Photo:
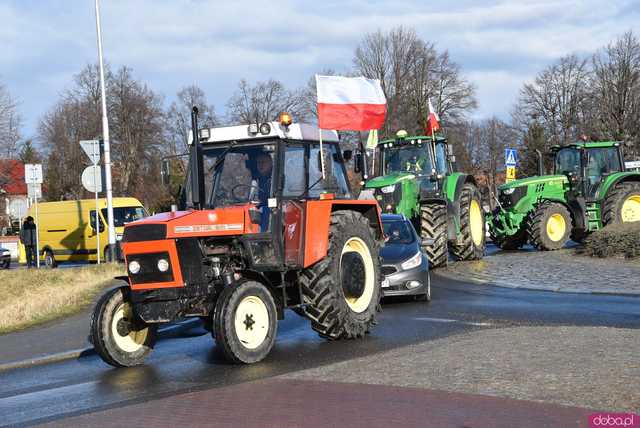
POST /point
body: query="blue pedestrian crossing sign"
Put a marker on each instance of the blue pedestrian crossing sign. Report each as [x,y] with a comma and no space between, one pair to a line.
[510,157]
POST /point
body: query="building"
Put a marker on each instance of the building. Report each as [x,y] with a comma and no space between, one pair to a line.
[13,194]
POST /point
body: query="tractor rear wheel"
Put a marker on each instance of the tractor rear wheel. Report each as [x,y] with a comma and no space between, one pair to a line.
[472,225]
[245,322]
[549,226]
[342,292]
[433,231]
[118,336]
[622,204]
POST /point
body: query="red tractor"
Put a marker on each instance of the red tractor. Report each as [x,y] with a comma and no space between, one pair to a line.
[269,223]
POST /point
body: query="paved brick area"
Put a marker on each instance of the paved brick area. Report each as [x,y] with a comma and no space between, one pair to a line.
[563,270]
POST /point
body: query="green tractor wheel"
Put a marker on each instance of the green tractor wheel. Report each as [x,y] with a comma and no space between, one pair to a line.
[472,225]
[622,204]
[549,226]
[433,229]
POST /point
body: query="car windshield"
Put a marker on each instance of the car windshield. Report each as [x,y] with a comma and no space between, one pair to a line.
[124,215]
[567,161]
[408,158]
[398,232]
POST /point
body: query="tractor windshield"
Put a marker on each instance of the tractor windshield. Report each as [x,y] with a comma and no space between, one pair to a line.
[244,175]
[567,161]
[408,158]
[441,158]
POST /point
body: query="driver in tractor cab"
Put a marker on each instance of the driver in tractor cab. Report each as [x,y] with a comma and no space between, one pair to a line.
[414,164]
[261,187]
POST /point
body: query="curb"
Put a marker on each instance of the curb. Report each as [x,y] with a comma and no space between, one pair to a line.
[77,353]
[504,284]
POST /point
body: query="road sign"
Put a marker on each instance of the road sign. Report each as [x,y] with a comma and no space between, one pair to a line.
[511,173]
[92,178]
[32,173]
[92,149]
[18,208]
[510,157]
[632,165]
[34,190]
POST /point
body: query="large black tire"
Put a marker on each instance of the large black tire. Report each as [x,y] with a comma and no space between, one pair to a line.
[342,292]
[549,226]
[433,227]
[49,260]
[118,336]
[6,264]
[472,225]
[245,322]
[626,192]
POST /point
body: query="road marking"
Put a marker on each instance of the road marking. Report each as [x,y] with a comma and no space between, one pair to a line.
[447,320]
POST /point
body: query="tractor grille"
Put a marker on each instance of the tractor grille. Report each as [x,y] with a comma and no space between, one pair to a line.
[144,232]
[386,200]
[190,257]
[149,272]
[510,200]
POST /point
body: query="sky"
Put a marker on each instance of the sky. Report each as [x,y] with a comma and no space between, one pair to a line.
[500,45]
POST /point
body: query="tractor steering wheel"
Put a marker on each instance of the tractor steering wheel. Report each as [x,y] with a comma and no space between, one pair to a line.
[250,186]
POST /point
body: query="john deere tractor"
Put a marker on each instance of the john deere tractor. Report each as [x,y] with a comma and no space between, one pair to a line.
[589,189]
[415,177]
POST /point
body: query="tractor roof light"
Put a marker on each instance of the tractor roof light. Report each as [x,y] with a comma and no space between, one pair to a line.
[285,119]
[252,129]
[205,134]
[265,129]
[401,134]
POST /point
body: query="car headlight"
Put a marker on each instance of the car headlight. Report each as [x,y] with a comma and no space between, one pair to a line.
[508,191]
[412,262]
[163,265]
[134,267]
[388,189]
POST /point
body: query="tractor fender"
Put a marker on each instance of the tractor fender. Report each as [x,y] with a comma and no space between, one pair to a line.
[616,179]
[317,218]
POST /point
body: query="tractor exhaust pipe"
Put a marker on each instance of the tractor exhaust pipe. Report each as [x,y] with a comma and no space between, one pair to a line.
[540,163]
[196,164]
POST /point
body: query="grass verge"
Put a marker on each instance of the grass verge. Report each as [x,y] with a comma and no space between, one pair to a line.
[615,240]
[30,296]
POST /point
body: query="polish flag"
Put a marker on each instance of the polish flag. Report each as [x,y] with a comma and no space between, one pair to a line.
[350,103]
[433,121]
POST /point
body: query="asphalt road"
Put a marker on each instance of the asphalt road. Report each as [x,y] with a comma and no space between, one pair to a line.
[188,360]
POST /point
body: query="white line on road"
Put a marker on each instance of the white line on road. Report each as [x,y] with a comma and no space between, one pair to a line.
[447,320]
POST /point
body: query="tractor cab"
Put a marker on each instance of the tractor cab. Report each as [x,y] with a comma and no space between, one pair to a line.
[587,165]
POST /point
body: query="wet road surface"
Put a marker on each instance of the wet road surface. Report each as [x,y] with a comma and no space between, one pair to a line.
[188,360]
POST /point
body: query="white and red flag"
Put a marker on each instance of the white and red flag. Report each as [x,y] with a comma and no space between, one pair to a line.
[433,121]
[350,103]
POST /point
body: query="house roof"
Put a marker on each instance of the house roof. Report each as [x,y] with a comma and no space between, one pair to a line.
[12,177]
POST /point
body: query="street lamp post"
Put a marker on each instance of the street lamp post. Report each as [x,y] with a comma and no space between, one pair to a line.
[107,151]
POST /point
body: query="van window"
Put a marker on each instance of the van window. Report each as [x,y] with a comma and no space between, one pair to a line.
[124,215]
[92,219]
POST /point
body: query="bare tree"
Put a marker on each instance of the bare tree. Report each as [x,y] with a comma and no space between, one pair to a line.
[10,123]
[264,101]
[616,89]
[557,99]
[178,117]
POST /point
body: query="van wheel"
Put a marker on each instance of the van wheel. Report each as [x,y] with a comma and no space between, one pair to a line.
[50,260]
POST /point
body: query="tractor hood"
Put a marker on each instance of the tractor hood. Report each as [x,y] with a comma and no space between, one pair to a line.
[532,181]
[234,220]
[387,180]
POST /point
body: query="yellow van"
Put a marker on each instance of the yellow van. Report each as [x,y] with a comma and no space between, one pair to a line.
[67,229]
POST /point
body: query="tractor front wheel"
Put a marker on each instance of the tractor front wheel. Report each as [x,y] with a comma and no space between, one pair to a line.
[118,336]
[472,225]
[245,322]
[549,226]
[342,292]
[433,231]
[622,204]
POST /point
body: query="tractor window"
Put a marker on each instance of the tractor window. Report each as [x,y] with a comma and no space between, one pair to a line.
[567,161]
[441,158]
[294,176]
[335,181]
[408,158]
[601,161]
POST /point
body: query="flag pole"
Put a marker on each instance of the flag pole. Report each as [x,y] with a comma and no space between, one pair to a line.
[321,154]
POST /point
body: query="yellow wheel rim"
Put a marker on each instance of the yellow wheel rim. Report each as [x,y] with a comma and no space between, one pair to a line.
[476,222]
[630,209]
[357,245]
[556,227]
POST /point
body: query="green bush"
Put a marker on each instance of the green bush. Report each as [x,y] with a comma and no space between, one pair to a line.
[615,240]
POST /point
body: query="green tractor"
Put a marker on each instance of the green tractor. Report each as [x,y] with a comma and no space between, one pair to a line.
[415,177]
[589,190]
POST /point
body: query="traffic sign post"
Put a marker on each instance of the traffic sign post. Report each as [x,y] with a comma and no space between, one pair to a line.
[92,181]
[33,178]
[510,161]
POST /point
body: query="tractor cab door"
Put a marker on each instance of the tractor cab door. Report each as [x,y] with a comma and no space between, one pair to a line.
[599,162]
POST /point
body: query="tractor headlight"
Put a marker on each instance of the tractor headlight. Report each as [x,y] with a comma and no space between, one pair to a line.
[163,265]
[412,262]
[508,191]
[388,189]
[134,267]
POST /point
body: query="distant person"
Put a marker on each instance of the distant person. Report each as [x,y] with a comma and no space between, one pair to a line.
[28,239]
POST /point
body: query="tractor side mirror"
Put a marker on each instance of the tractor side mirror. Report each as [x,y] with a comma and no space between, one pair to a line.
[165,172]
[358,165]
[450,151]
[347,155]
